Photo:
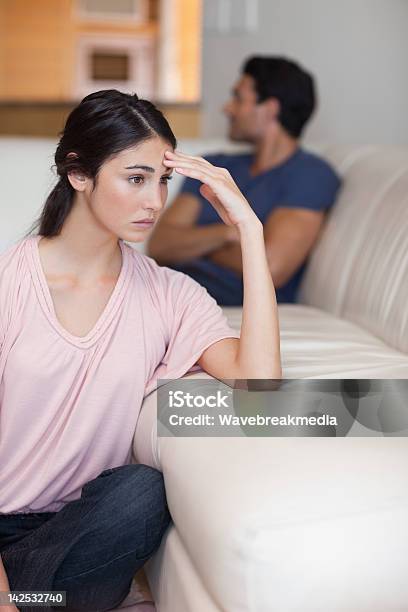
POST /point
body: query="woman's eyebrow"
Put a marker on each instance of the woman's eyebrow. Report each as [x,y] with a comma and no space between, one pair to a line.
[146,168]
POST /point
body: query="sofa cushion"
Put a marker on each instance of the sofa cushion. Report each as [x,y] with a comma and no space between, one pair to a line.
[317,344]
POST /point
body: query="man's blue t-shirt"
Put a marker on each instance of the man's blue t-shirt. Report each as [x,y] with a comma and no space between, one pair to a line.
[303,181]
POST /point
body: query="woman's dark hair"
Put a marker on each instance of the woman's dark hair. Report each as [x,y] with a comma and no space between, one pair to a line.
[283,79]
[103,124]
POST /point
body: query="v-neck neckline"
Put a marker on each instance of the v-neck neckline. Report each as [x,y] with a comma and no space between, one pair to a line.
[46,301]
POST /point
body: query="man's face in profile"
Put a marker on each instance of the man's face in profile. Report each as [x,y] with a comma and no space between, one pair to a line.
[246,117]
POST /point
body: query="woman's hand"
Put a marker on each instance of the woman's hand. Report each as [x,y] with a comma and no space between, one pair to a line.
[257,353]
[218,187]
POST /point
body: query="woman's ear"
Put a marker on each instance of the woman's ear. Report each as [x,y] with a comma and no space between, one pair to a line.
[77,178]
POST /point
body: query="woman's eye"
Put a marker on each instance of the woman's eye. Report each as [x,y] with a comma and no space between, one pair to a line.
[166,179]
[136,180]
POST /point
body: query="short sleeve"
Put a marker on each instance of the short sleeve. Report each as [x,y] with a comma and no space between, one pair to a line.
[314,186]
[2,332]
[9,271]
[194,322]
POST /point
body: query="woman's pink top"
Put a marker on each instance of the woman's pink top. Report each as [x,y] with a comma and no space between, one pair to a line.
[68,404]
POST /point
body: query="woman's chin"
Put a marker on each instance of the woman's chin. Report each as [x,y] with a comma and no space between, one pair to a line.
[135,234]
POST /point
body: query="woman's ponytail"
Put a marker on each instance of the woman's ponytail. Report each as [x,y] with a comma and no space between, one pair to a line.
[56,208]
[57,205]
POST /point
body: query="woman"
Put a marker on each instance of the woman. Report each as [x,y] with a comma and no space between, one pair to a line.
[87,326]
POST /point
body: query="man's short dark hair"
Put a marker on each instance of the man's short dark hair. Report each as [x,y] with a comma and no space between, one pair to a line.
[283,79]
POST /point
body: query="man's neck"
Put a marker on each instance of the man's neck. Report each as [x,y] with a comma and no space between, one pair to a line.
[272,150]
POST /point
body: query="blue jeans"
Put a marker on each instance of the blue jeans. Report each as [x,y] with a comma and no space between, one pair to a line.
[94,545]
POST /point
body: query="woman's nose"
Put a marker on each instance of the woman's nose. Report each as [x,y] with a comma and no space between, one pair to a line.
[155,201]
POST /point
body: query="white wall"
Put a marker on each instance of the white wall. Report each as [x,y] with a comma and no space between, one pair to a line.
[357,49]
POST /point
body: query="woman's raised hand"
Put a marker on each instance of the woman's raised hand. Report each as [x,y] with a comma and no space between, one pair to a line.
[257,354]
[218,187]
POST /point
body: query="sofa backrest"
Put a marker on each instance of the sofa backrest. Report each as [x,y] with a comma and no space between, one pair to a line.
[359,268]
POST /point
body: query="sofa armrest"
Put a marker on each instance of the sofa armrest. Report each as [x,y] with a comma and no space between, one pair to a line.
[146,445]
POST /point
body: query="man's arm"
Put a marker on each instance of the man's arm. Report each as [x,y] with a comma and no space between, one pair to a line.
[177,238]
[289,235]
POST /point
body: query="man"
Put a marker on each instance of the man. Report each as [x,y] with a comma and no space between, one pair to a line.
[289,189]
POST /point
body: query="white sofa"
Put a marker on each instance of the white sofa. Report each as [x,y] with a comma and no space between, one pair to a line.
[288,524]
[305,524]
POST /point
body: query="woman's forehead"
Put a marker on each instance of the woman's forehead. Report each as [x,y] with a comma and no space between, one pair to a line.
[148,153]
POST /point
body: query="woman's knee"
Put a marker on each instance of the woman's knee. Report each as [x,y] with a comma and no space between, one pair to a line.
[141,483]
[129,519]
[135,491]
[146,492]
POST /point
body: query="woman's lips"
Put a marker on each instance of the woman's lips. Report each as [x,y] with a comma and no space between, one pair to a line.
[143,223]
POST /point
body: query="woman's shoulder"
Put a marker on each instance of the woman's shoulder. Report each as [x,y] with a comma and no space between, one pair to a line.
[11,258]
[12,273]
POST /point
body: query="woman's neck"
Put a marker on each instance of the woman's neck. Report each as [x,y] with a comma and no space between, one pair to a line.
[82,248]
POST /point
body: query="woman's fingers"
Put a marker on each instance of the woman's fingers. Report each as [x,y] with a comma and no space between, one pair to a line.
[176,159]
[188,164]
[196,173]
[174,154]
[209,195]
[193,169]
[208,178]
[187,159]
[216,178]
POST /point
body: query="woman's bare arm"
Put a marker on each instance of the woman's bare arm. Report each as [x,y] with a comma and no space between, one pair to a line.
[257,353]
[4,586]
